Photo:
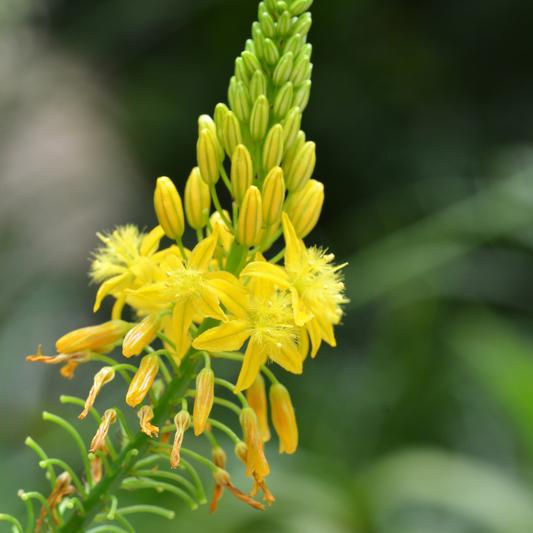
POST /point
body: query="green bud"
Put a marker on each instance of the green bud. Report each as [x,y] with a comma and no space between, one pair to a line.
[207,156]
[231,91]
[284,24]
[259,41]
[221,110]
[305,206]
[271,5]
[283,100]
[294,44]
[249,46]
[267,25]
[250,62]
[250,217]
[308,72]
[242,172]
[259,118]
[240,71]
[283,69]
[306,49]
[291,126]
[258,85]
[292,152]
[205,122]
[271,52]
[242,103]
[301,96]
[302,167]
[303,24]
[261,8]
[231,133]
[282,7]
[299,6]
[273,196]
[197,198]
[299,70]
[273,148]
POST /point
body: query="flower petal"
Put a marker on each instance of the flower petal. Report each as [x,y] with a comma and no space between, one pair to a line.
[203,251]
[233,299]
[302,314]
[207,305]
[150,243]
[224,338]
[182,320]
[303,344]
[294,246]
[143,269]
[313,329]
[250,367]
[273,273]
[287,356]
[326,329]
[117,283]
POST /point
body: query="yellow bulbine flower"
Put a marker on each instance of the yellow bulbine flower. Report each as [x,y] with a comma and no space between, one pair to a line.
[203,401]
[127,255]
[93,337]
[146,414]
[265,317]
[257,400]
[182,421]
[225,236]
[105,375]
[110,417]
[192,288]
[168,208]
[143,379]
[141,335]
[283,418]
[315,284]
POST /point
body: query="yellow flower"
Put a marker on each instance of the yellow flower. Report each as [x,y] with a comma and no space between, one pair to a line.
[126,256]
[315,284]
[193,289]
[265,317]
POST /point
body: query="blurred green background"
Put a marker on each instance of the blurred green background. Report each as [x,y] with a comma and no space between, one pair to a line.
[422,418]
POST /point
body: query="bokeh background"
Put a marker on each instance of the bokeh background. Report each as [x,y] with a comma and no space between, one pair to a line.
[422,418]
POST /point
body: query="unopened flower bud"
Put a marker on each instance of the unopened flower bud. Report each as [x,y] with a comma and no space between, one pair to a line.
[219,457]
[308,72]
[249,46]
[284,24]
[93,337]
[283,418]
[182,421]
[271,5]
[258,86]
[168,208]
[225,236]
[250,62]
[305,206]
[141,335]
[231,133]
[242,103]
[299,70]
[259,118]
[303,24]
[267,25]
[252,437]
[273,148]
[299,6]
[203,401]
[222,478]
[250,217]
[271,52]
[256,398]
[231,92]
[146,414]
[302,167]
[291,126]
[242,172]
[283,69]
[205,122]
[241,451]
[271,230]
[110,417]
[240,72]
[221,110]
[261,8]
[197,198]
[292,152]
[143,379]
[273,196]
[294,45]
[105,375]
[207,156]
[301,95]
[259,42]
[283,101]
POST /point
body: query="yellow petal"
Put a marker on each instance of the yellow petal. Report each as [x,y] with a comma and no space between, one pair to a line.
[250,367]
[150,243]
[117,283]
[293,246]
[287,356]
[224,338]
[313,330]
[182,320]
[273,273]
[225,276]
[233,299]
[203,251]
[159,256]
[143,269]
[155,292]
[303,345]
[326,329]
[207,305]
[302,314]
[172,262]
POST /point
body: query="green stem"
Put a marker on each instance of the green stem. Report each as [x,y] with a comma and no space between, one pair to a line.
[168,475]
[240,357]
[42,499]
[231,434]
[231,387]
[75,502]
[182,250]
[196,478]
[40,452]
[66,467]
[31,516]
[199,234]
[277,257]
[147,509]
[228,404]
[13,520]
[124,424]
[220,210]
[113,508]
[225,178]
